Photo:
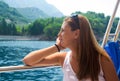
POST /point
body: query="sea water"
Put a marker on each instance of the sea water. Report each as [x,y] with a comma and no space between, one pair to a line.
[12,53]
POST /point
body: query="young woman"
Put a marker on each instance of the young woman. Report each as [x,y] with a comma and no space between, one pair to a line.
[86,60]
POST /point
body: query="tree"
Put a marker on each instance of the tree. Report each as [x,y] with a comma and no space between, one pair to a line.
[51,31]
[3,27]
[13,29]
[36,28]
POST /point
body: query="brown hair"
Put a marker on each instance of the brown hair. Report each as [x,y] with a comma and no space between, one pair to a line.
[88,50]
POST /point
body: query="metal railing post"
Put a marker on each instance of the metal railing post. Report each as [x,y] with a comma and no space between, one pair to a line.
[110,24]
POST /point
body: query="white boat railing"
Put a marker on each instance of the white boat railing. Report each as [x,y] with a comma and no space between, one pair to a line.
[14,68]
[117,31]
[23,67]
[107,33]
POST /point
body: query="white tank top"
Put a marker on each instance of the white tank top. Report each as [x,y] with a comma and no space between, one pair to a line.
[69,74]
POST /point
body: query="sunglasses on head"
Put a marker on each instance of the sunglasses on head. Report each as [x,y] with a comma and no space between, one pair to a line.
[76,20]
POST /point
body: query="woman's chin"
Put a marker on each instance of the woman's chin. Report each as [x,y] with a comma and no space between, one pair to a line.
[63,45]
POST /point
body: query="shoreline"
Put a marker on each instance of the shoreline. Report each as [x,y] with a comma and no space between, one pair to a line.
[11,37]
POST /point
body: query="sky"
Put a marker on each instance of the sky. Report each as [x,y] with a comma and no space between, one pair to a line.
[98,6]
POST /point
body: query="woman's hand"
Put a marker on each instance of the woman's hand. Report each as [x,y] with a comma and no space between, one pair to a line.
[58,43]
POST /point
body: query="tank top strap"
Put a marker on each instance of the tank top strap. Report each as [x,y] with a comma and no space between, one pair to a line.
[67,58]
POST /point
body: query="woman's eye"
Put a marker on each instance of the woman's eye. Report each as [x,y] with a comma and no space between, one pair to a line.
[62,30]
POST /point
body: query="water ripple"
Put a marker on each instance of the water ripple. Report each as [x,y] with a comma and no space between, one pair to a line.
[12,52]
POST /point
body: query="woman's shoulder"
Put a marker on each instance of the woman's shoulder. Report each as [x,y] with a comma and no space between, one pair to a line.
[104,58]
[108,69]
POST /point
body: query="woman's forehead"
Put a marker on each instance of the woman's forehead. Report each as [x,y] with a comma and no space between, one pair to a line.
[65,26]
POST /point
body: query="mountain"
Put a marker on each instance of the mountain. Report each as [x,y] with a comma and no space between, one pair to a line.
[11,14]
[49,9]
[32,13]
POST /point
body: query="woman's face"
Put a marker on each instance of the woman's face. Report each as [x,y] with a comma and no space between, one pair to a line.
[67,36]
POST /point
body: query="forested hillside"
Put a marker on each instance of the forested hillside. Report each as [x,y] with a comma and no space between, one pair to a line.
[32,13]
[10,14]
[50,26]
[8,18]
[47,28]
[42,5]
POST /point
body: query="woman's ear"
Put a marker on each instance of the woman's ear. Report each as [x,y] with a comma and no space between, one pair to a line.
[77,34]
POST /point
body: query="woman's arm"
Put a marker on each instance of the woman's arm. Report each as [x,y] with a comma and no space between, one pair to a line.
[52,60]
[39,55]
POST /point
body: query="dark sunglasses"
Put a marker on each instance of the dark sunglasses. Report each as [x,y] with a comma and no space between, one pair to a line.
[76,20]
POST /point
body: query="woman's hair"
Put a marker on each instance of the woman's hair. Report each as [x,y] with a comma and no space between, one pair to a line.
[88,51]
